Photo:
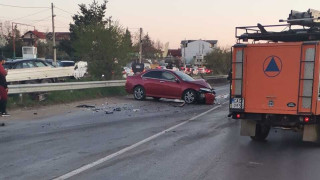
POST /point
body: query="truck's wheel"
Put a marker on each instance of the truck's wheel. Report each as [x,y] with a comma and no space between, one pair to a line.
[262,132]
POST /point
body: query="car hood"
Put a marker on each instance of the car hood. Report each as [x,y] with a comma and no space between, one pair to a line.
[200,82]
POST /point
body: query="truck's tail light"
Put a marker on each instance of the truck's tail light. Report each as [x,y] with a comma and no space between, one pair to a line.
[238,116]
[306,119]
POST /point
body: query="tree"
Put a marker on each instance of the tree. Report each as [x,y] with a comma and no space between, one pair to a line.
[3,43]
[219,60]
[105,48]
[8,49]
[45,50]
[150,49]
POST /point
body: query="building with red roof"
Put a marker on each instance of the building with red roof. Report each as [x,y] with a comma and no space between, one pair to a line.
[31,38]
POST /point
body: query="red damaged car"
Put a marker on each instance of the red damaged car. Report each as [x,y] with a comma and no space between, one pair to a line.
[163,83]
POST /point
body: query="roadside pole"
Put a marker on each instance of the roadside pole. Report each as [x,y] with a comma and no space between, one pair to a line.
[13,41]
[140,58]
[54,38]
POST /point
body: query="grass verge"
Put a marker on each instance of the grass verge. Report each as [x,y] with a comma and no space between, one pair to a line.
[59,97]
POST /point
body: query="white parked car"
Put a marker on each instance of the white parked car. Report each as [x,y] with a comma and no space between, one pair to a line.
[127,72]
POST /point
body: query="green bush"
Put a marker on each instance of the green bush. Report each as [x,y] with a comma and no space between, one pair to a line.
[219,61]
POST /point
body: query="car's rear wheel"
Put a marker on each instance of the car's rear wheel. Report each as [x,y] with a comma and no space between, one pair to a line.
[190,96]
[139,93]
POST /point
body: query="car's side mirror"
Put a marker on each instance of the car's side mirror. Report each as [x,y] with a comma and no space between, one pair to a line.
[177,80]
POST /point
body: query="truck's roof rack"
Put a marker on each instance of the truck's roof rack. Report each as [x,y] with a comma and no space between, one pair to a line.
[301,26]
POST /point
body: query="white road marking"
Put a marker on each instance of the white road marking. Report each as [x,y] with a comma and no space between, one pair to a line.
[106,158]
[226,87]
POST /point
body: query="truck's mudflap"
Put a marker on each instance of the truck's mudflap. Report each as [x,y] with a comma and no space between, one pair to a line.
[311,132]
[248,128]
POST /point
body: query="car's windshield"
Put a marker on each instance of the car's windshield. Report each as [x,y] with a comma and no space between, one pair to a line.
[184,76]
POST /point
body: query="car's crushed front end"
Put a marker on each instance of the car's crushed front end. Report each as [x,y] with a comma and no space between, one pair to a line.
[206,95]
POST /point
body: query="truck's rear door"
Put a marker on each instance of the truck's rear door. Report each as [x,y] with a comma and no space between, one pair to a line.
[271,77]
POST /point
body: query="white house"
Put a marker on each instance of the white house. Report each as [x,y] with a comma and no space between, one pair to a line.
[194,51]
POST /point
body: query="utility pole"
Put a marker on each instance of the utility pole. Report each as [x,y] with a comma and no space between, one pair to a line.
[140,58]
[13,42]
[54,38]
[14,28]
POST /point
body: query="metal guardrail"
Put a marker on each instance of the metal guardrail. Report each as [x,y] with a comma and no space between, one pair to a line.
[216,77]
[46,87]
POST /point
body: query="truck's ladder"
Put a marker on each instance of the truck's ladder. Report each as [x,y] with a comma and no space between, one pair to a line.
[237,79]
[306,78]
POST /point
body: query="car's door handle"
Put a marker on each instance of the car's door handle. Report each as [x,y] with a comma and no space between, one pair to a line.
[161,81]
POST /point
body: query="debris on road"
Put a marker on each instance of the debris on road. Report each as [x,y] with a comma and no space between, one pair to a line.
[135,110]
[109,112]
[85,106]
[2,124]
[35,113]
[96,109]
[117,109]
[180,105]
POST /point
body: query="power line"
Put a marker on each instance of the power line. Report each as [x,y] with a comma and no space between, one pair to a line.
[63,16]
[36,21]
[29,7]
[64,10]
[28,15]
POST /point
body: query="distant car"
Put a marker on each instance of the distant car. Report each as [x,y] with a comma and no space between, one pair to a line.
[65,63]
[127,72]
[201,70]
[162,83]
[60,63]
[208,71]
[25,63]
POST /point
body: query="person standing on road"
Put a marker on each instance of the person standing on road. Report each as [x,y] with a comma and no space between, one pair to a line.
[3,88]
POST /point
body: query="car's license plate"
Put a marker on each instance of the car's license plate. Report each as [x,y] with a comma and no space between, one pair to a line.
[237,103]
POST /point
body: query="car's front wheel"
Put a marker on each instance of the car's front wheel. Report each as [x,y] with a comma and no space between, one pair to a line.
[139,93]
[190,96]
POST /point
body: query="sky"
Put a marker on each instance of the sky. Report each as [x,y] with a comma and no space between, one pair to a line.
[164,20]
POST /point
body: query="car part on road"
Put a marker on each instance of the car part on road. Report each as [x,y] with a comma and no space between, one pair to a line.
[139,93]
[209,98]
[190,96]
[109,112]
[85,106]
[180,105]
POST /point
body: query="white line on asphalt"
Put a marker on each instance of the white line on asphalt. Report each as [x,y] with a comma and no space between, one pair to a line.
[222,88]
[106,158]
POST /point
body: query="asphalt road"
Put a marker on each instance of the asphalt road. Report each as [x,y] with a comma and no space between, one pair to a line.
[151,140]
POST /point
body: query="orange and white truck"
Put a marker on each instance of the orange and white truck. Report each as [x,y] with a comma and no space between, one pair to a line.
[275,77]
